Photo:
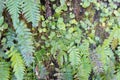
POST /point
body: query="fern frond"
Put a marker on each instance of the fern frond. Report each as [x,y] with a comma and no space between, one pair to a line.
[84,48]
[2,6]
[25,43]
[2,54]
[74,56]
[13,7]
[10,36]
[4,71]
[31,11]
[84,69]
[117,76]
[105,52]
[113,35]
[106,56]
[64,73]
[17,63]
[67,75]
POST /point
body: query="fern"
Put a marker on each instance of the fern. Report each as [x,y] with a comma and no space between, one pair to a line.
[74,56]
[31,11]
[10,36]
[67,75]
[29,74]
[24,36]
[4,71]
[64,74]
[84,48]
[115,33]
[2,6]
[17,63]
[104,50]
[13,7]
[84,69]
[117,77]
[25,42]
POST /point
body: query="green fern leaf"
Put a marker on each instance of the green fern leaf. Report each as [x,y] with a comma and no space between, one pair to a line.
[4,71]
[31,12]
[113,35]
[10,36]
[116,32]
[74,56]
[2,6]
[67,75]
[25,43]
[13,7]
[84,48]
[17,63]
[84,69]
[117,76]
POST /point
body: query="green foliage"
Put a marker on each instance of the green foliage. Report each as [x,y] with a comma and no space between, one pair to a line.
[86,3]
[25,43]
[4,70]
[31,11]
[2,6]
[10,38]
[68,73]
[13,7]
[84,69]
[17,63]
[64,73]
[59,39]
[74,56]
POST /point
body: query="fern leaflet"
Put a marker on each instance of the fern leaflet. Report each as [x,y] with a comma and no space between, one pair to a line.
[67,75]
[25,43]
[2,6]
[10,36]
[4,71]
[31,11]
[84,69]
[74,56]
[13,7]
[17,63]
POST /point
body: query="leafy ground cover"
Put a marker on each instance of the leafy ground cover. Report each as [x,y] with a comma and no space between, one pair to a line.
[59,39]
